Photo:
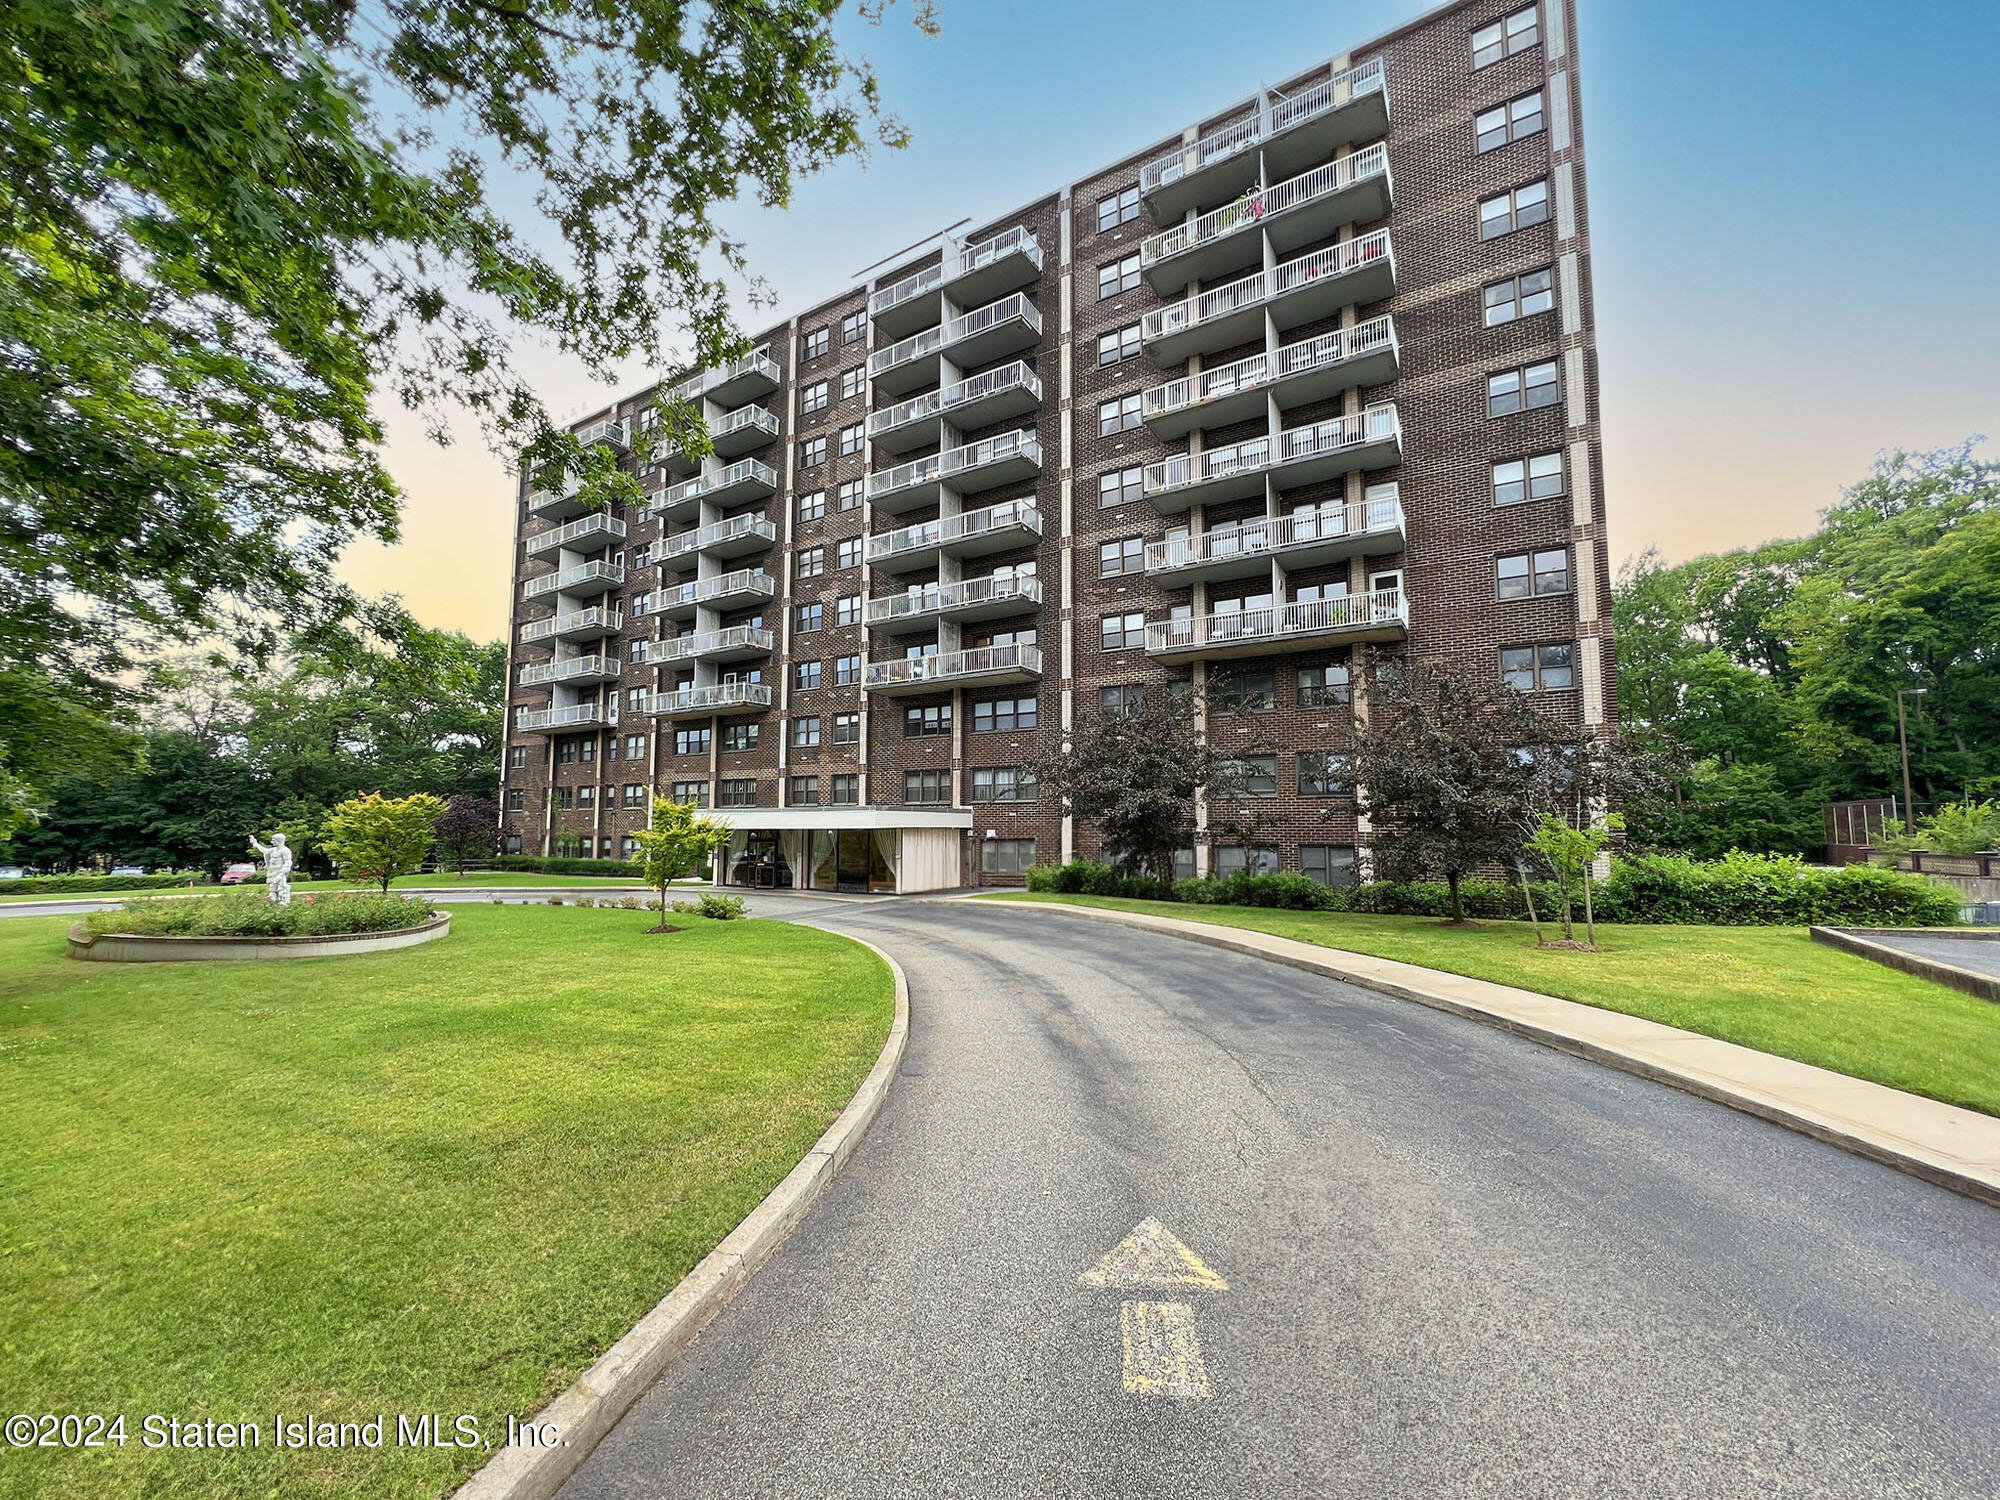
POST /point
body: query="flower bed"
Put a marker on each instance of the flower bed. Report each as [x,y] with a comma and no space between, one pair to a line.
[246,926]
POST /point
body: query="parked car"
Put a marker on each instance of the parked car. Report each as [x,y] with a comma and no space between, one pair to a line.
[130,870]
[237,874]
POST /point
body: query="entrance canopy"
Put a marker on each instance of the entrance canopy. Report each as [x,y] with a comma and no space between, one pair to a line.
[880,849]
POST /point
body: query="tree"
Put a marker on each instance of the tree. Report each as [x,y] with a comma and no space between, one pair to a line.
[1569,850]
[375,838]
[678,842]
[467,830]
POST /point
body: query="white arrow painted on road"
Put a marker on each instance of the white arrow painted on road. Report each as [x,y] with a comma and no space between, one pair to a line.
[1162,1349]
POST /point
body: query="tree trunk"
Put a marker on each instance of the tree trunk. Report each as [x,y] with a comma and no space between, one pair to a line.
[1589,921]
[1569,928]
[1457,906]
[1528,895]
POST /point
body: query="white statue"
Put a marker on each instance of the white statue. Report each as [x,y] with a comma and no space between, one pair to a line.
[277,868]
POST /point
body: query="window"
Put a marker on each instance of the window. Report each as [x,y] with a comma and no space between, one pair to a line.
[1121,487]
[1234,859]
[847,554]
[1324,774]
[1256,775]
[1522,390]
[611,748]
[562,797]
[1515,120]
[1004,713]
[813,399]
[517,800]
[846,791]
[1544,667]
[1505,37]
[1127,555]
[802,791]
[847,610]
[740,736]
[813,452]
[1329,864]
[1118,208]
[1527,204]
[736,793]
[1121,701]
[926,786]
[818,342]
[1003,784]
[691,741]
[847,729]
[587,751]
[635,747]
[1248,692]
[1520,297]
[854,327]
[694,793]
[811,563]
[850,383]
[806,676]
[813,506]
[513,844]
[1535,478]
[1120,343]
[849,494]
[850,442]
[1118,276]
[805,733]
[1121,632]
[1323,687]
[1006,856]
[1526,574]
[627,847]
[1119,414]
[928,722]
[517,757]
[846,671]
[809,617]
[635,794]
[565,752]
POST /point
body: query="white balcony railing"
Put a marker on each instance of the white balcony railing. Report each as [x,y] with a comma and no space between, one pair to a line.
[573,716]
[1336,348]
[757,361]
[689,542]
[607,430]
[958,528]
[1285,114]
[715,698]
[1015,305]
[598,621]
[743,470]
[759,417]
[942,466]
[1259,286]
[706,642]
[947,666]
[916,346]
[1016,241]
[1259,205]
[942,598]
[1376,424]
[1264,535]
[598,524]
[540,500]
[954,397]
[588,578]
[744,581]
[929,279]
[568,669]
[1183,470]
[1278,623]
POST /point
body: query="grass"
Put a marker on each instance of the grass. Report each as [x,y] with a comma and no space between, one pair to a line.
[442,1179]
[1771,988]
[477,879]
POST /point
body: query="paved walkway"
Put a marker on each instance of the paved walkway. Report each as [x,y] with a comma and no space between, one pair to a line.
[1979,954]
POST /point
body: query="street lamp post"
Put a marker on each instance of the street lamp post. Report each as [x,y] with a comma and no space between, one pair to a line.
[1903,735]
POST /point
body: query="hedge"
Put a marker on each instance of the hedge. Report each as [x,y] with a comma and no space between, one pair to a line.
[623,868]
[241,914]
[33,885]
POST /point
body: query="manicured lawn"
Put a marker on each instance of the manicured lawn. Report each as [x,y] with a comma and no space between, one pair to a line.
[436,1180]
[1771,988]
[440,882]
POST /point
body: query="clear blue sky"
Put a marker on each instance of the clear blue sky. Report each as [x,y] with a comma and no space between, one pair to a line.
[1795,210]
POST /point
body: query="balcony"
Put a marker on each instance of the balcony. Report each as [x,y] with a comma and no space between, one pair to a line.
[1297,375]
[578,625]
[594,668]
[1008,326]
[1007,459]
[592,532]
[747,379]
[739,536]
[556,720]
[590,578]
[744,431]
[746,480]
[974,533]
[1302,128]
[1299,211]
[915,302]
[1380,616]
[992,267]
[1298,292]
[737,643]
[557,504]
[726,591]
[1372,439]
[1305,539]
[919,609]
[985,666]
[994,396]
[716,698]
[611,432]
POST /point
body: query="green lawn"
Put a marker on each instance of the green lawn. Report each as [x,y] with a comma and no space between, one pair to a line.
[437,1180]
[1771,988]
[477,880]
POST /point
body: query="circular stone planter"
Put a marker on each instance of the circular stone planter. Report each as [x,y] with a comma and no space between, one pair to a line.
[129,948]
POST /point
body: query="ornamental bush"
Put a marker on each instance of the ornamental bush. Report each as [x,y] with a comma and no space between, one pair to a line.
[1769,890]
[241,914]
[535,864]
[37,885]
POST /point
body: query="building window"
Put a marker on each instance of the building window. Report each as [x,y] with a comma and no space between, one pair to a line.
[846,671]
[847,610]
[741,793]
[513,844]
[848,553]
[854,327]
[813,452]
[805,733]
[1505,37]
[813,399]
[1329,864]
[1114,559]
[565,752]
[813,506]
[1255,775]
[846,791]
[850,441]
[1121,487]
[809,617]
[1324,687]
[1120,414]
[1122,632]
[1118,276]
[1524,575]
[847,729]
[926,786]
[1513,121]
[1117,208]
[611,748]
[561,796]
[691,742]
[635,747]
[693,793]
[811,563]
[517,799]
[850,383]
[1527,204]
[1543,668]
[928,722]
[517,757]
[818,342]
[1004,714]
[627,847]
[806,675]
[1324,774]
[1522,390]
[740,736]
[849,493]
[1006,856]
[635,794]
[586,751]
[1234,859]
[1535,478]
[1121,700]
[1520,297]
[1247,692]
[1003,784]
[1120,343]
[802,791]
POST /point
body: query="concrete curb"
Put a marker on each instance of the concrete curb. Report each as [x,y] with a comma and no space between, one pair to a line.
[1859,941]
[602,1394]
[1951,1147]
[164,948]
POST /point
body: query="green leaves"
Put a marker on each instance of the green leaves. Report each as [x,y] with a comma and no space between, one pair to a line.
[679,842]
[373,839]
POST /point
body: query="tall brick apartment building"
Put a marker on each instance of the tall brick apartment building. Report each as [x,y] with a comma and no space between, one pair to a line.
[1313,380]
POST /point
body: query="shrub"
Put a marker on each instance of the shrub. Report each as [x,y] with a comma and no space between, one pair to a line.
[720,908]
[1293,892]
[535,864]
[39,885]
[1769,890]
[240,914]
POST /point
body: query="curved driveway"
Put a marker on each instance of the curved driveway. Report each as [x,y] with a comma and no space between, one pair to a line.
[1458,1263]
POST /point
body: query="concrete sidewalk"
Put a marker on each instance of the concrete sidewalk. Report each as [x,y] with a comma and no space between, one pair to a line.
[1955,1148]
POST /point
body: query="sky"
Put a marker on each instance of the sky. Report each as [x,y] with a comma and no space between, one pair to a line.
[1795,211]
